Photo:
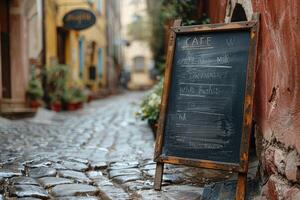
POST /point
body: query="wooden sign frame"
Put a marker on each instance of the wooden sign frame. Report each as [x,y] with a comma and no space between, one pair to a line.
[241,168]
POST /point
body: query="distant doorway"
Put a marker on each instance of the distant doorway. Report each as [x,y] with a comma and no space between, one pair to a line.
[5,54]
[61,45]
[238,14]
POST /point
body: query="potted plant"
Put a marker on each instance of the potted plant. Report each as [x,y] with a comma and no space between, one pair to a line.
[149,108]
[56,77]
[34,91]
[55,102]
[73,98]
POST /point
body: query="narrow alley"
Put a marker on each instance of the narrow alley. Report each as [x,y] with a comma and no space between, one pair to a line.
[99,152]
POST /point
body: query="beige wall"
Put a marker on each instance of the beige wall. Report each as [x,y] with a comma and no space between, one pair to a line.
[136,48]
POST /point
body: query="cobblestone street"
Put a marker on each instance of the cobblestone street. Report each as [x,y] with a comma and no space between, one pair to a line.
[99,152]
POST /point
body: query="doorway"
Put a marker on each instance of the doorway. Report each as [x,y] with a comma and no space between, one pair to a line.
[61,45]
[238,14]
[5,54]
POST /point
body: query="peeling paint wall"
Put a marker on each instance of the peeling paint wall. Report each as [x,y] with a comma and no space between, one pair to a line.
[277,102]
[277,95]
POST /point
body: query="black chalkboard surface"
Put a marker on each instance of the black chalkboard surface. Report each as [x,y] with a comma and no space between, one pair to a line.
[205,106]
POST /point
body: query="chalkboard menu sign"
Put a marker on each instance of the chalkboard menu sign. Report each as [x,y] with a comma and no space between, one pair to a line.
[206,112]
[205,106]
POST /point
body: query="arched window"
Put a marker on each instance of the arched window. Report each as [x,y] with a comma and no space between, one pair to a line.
[238,14]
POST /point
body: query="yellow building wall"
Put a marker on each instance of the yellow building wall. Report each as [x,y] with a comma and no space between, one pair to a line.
[96,33]
[50,32]
[72,54]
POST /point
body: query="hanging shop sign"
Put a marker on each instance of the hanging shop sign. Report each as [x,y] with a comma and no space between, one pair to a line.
[206,113]
[79,19]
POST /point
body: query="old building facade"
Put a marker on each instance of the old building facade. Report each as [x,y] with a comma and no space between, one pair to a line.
[84,51]
[137,54]
[277,94]
[21,46]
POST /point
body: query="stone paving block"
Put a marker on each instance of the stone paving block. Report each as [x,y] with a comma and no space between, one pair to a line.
[126,178]
[23,180]
[42,172]
[94,174]
[74,190]
[115,193]
[58,166]
[149,173]
[124,165]
[109,190]
[80,160]
[28,191]
[99,165]
[43,162]
[139,185]
[48,182]
[78,176]
[8,173]
[122,172]
[76,166]
[78,198]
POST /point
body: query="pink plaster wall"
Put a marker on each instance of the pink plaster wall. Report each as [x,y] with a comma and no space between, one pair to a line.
[277,97]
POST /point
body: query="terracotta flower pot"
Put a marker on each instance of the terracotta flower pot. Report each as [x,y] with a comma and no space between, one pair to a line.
[79,105]
[71,106]
[55,106]
[34,104]
[89,98]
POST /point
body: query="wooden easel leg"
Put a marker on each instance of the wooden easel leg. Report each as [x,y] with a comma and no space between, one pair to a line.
[241,187]
[158,176]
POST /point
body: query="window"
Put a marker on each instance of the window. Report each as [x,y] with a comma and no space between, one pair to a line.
[81,56]
[99,6]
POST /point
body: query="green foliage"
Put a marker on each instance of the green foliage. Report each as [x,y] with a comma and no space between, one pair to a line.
[34,89]
[149,108]
[56,77]
[139,29]
[163,12]
[74,95]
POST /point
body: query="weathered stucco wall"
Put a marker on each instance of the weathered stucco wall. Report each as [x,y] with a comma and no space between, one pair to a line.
[216,10]
[277,95]
[278,73]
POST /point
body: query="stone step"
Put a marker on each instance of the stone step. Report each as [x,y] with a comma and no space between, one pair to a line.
[15,109]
